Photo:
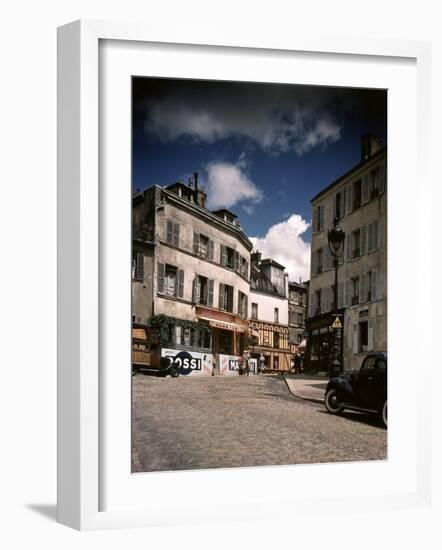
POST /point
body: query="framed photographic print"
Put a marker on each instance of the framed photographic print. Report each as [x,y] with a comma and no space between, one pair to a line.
[225,251]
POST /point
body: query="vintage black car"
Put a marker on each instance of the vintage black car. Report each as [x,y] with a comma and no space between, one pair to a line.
[364,390]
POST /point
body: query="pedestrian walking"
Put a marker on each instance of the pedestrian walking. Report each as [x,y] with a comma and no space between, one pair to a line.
[297,364]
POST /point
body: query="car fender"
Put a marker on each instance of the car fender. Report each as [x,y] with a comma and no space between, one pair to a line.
[342,387]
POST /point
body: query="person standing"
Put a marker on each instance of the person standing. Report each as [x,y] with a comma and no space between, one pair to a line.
[297,364]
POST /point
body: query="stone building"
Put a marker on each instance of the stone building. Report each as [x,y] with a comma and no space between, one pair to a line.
[190,275]
[359,199]
[269,313]
[297,314]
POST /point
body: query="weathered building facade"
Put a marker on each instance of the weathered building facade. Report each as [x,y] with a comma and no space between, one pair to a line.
[297,313]
[269,313]
[191,275]
[359,200]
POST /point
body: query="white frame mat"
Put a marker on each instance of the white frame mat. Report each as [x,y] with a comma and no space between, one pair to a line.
[81,293]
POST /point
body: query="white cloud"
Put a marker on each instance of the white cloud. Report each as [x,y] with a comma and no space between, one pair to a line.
[281,122]
[228,184]
[283,243]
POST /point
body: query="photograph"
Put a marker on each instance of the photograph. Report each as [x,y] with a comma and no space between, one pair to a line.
[259,274]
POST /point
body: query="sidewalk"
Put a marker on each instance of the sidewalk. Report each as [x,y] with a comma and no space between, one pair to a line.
[307,387]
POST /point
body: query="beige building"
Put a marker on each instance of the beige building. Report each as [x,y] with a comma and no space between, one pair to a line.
[191,275]
[359,200]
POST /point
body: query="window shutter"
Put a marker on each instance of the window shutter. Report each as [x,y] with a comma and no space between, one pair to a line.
[340,295]
[246,269]
[348,246]
[196,243]
[314,219]
[223,255]
[313,262]
[327,299]
[311,305]
[349,197]
[169,231]
[197,290]
[355,338]
[363,288]
[140,266]
[180,283]
[374,285]
[343,198]
[346,292]
[176,234]
[323,300]
[236,261]
[161,275]
[210,292]
[364,188]
[246,300]
[383,178]
[222,304]
[363,239]
[370,237]
[376,240]
[370,335]
[321,217]
[211,250]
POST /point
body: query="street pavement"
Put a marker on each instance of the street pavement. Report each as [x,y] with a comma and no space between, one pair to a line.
[224,422]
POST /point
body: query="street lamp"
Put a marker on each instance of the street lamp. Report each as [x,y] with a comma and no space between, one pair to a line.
[336,239]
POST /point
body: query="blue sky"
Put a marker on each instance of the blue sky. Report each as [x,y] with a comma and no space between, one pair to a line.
[261,150]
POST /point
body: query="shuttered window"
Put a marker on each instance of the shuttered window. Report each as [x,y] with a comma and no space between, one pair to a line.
[222,297]
[349,198]
[180,286]
[355,338]
[172,233]
[139,266]
[363,288]
[346,292]
[161,275]
[196,243]
[370,335]
[363,239]
[348,241]
[374,285]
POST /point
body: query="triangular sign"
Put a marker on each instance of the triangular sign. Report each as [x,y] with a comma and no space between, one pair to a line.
[336,323]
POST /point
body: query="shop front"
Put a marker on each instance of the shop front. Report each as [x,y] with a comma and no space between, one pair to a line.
[321,340]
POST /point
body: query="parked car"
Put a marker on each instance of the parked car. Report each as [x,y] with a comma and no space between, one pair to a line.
[146,356]
[362,390]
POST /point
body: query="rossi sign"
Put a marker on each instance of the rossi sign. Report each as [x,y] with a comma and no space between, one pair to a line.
[189,362]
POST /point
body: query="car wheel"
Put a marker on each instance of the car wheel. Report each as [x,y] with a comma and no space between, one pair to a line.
[384,414]
[174,372]
[332,402]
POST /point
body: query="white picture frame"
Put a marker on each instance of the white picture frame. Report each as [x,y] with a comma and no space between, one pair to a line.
[80,438]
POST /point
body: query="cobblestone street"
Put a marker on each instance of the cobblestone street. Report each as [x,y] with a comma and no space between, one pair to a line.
[202,422]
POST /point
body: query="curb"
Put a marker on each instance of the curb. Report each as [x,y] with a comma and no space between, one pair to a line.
[312,399]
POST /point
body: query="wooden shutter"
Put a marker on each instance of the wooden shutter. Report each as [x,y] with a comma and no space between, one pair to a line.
[370,335]
[140,266]
[363,288]
[376,239]
[211,246]
[246,306]
[176,234]
[210,284]
[196,243]
[197,290]
[348,246]
[222,304]
[346,292]
[161,275]
[311,304]
[315,219]
[363,239]
[321,217]
[313,262]
[169,231]
[349,198]
[223,255]
[365,188]
[180,278]
[383,177]
[374,285]
[322,301]
[236,261]
[355,338]
[340,295]
[370,238]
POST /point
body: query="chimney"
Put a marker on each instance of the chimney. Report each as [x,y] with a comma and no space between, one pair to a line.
[255,257]
[369,146]
[195,179]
